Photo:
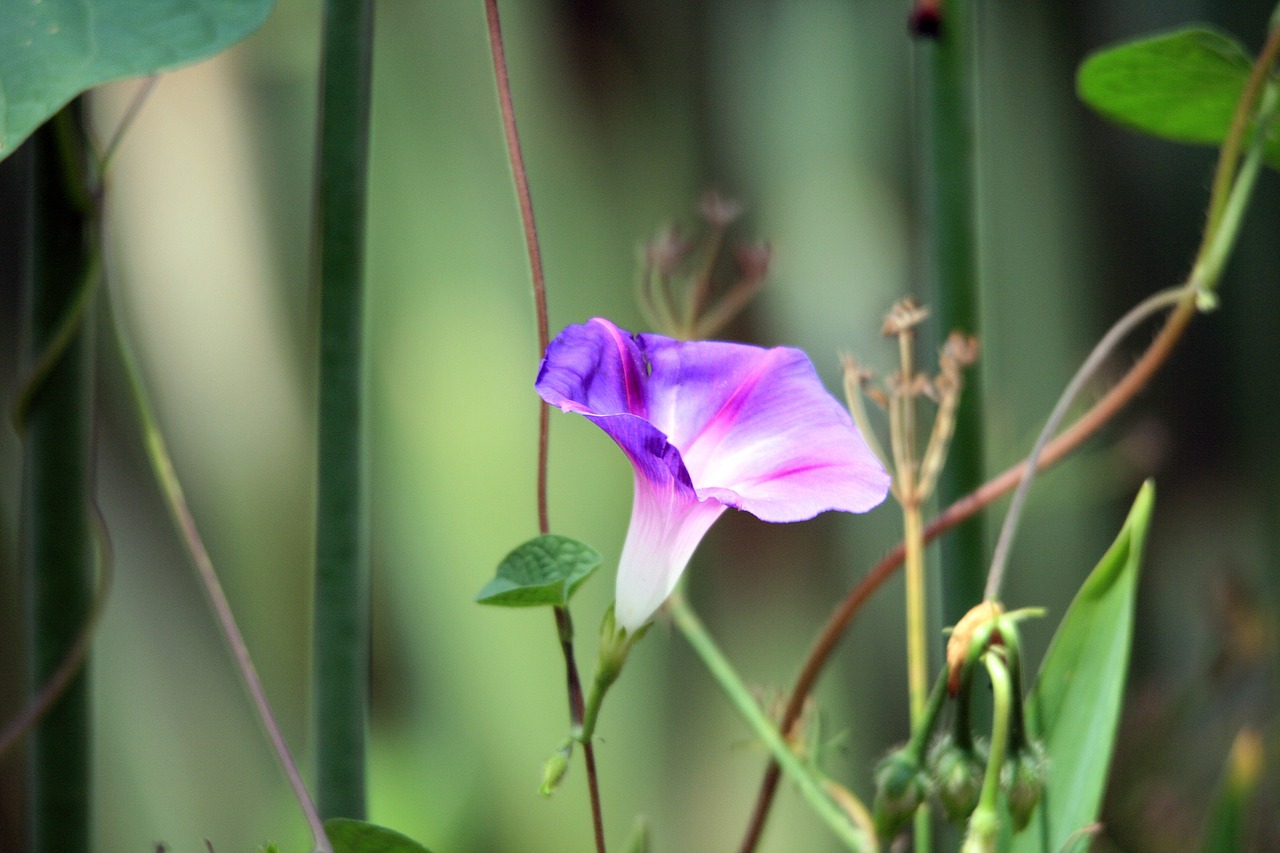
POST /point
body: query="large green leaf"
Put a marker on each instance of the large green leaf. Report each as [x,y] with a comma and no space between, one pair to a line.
[356,836]
[52,50]
[1182,86]
[545,570]
[1075,704]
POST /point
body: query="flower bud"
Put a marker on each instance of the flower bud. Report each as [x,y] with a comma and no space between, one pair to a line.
[555,768]
[900,789]
[1023,779]
[956,773]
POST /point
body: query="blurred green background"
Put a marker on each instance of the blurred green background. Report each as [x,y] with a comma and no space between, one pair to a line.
[806,112]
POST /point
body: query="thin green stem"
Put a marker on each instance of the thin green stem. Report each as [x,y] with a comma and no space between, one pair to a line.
[984,823]
[1222,237]
[57,551]
[745,704]
[917,652]
[340,665]
[1101,351]
[176,501]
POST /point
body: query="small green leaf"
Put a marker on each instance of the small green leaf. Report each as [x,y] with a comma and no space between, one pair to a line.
[546,570]
[52,50]
[356,836]
[1075,704]
[1182,86]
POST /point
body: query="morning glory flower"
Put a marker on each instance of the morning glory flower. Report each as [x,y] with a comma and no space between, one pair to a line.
[707,425]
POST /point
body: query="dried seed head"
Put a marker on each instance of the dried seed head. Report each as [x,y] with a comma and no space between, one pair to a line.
[960,351]
[718,210]
[905,314]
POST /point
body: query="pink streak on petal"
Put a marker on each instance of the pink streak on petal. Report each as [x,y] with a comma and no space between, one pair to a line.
[631,381]
[703,447]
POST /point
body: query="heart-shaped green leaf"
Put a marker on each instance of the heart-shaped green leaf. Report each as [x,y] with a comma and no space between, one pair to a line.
[356,836]
[546,570]
[1182,86]
[1075,704]
[52,50]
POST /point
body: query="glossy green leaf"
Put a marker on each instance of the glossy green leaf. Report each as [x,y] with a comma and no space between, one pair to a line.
[356,836]
[1182,86]
[546,570]
[1075,704]
[52,50]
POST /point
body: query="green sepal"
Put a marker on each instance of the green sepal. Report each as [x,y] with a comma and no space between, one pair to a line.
[544,571]
[357,836]
[1182,86]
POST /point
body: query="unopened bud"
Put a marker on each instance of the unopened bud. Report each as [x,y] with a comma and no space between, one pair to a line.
[900,789]
[1023,779]
[555,768]
[956,773]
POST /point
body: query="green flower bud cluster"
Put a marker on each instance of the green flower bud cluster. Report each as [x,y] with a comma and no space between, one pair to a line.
[964,775]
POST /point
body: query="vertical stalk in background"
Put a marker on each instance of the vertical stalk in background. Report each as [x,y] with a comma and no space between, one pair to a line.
[947,71]
[340,663]
[57,536]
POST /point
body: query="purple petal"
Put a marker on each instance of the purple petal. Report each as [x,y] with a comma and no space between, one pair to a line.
[707,424]
[758,431]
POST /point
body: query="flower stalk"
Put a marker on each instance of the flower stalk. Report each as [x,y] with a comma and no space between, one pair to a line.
[832,814]
[984,823]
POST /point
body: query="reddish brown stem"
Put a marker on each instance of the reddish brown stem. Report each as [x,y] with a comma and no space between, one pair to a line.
[521,177]
[1106,408]
[563,625]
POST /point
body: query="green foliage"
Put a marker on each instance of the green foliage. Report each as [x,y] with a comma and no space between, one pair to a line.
[1075,704]
[52,50]
[1228,816]
[545,570]
[1181,86]
[356,836]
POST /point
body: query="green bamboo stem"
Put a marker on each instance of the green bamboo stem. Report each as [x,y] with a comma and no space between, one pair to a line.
[955,303]
[341,641]
[57,533]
